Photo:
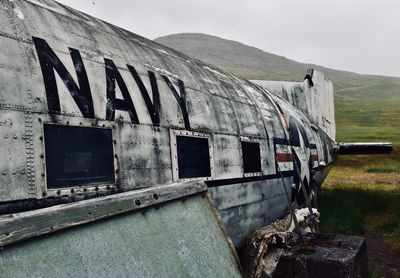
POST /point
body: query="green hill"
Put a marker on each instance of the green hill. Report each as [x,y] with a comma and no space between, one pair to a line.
[367,106]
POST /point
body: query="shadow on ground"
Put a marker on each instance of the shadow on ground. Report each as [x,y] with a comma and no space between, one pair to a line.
[368,204]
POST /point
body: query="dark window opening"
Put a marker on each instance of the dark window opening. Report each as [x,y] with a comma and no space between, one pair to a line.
[251,157]
[78,156]
[193,157]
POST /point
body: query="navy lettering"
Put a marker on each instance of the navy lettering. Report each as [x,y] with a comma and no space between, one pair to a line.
[152,107]
[50,62]
[180,98]
[113,103]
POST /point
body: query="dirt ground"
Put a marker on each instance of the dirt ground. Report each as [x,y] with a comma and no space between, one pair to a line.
[382,262]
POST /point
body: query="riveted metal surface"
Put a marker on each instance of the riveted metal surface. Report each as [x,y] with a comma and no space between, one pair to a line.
[174,153]
[15,175]
[227,160]
[38,161]
[30,153]
[146,155]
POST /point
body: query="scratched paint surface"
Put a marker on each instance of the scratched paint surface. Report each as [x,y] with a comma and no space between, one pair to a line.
[316,102]
[59,66]
[181,239]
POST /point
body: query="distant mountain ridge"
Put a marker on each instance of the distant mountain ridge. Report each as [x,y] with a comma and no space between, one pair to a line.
[253,63]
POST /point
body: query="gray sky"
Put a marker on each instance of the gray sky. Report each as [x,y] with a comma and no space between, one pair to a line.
[356,35]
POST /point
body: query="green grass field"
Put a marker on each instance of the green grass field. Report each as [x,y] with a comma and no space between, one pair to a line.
[362,193]
[369,121]
[355,201]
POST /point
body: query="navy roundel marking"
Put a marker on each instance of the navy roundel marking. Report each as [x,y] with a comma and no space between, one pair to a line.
[298,140]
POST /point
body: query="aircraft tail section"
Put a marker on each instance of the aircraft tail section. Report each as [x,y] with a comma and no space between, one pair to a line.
[314,97]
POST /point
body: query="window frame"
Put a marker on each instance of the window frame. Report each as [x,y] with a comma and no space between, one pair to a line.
[250,140]
[84,188]
[174,154]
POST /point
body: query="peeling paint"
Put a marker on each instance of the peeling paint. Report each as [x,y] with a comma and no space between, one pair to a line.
[215,71]
[19,14]
[162,71]
[162,51]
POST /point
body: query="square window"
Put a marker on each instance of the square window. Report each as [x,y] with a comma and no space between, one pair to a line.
[193,157]
[251,157]
[78,156]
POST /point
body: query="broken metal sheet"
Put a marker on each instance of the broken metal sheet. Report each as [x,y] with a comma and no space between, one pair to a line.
[19,226]
[263,248]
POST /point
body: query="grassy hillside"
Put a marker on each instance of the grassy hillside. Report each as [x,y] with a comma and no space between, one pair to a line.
[367,106]
[254,63]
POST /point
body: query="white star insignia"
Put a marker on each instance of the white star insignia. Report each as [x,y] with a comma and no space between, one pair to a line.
[303,153]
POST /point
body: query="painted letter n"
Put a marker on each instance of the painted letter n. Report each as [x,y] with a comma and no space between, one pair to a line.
[50,63]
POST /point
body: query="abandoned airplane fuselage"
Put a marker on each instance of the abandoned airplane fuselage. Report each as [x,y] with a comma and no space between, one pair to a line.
[88,109]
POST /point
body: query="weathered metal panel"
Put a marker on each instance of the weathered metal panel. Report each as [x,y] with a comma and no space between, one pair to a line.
[228,161]
[268,156]
[23,225]
[13,171]
[248,119]
[239,225]
[175,154]
[315,136]
[181,239]
[234,195]
[267,109]
[201,108]
[245,206]
[145,156]
[12,90]
[35,149]
[314,97]
[225,118]
[229,158]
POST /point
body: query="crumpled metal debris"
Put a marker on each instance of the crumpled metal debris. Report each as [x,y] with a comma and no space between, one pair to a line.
[264,246]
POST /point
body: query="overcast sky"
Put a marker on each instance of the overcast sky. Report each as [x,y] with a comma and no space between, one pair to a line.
[356,35]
